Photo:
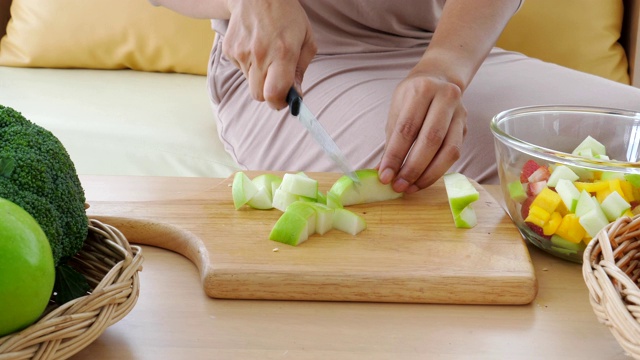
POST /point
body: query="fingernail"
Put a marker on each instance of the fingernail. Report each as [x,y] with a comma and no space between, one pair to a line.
[400,185]
[386,176]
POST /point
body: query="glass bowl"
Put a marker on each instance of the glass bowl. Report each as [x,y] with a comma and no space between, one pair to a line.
[553,137]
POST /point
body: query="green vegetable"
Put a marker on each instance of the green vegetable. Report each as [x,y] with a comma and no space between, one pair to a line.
[37,173]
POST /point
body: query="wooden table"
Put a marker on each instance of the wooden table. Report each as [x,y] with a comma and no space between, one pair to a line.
[174,319]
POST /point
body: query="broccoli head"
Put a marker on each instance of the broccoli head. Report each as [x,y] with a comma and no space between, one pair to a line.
[37,173]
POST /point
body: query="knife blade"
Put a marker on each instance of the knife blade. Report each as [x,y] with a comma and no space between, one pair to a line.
[298,109]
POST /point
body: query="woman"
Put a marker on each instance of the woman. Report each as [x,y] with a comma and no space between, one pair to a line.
[390,80]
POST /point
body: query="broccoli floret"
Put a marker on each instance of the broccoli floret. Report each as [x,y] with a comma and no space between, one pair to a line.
[37,173]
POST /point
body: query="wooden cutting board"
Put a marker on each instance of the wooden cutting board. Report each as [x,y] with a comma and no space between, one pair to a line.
[410,251]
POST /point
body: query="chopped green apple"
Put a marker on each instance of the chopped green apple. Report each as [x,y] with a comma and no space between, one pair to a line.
[333,201]
[561,172]
[517,191]
[590,147]
[262,199]
[585,203]
[561,242]
[306,211]
[634,179]
[614,206]
[593,221]
[291,229]
[348,221]
[569,193]
[269,181]
[242,189]
[282,199]
[369,190]
[300,184]
[465,218]
[324,218]
[460,191]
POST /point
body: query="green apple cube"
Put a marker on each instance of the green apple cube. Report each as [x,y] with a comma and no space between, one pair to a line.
[269,181]
[333,201]
[460,191]
[563,243]
[590,147]
[282,199]
[242,189]
[569,193]
[262,199]
[561,172]
[321,198]
[517,191]
[583,174]
[369,190]
[347,221]
[585,203]
[593,221]
[611,175]
[634,179]
[614,206]
[291,229]
[300,184]
[465,218]
[324,218]
[306,211]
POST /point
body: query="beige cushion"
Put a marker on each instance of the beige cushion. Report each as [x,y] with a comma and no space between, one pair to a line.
[580,34]
[123,122]
[113,34]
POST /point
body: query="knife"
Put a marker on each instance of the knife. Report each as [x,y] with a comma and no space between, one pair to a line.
[319,134]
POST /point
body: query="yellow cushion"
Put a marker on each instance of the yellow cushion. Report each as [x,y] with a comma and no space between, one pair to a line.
[580,34]
[112,34]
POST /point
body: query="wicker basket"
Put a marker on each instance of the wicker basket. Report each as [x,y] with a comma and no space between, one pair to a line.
[611,269]
[111,266]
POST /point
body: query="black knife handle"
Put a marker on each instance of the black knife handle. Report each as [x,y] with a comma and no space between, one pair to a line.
[294,100]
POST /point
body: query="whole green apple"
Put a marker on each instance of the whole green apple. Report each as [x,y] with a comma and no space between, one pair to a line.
[27,272]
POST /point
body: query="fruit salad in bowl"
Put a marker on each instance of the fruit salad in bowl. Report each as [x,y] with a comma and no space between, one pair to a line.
[566,172]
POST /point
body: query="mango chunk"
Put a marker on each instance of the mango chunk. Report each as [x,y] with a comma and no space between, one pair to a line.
[570,228]
[547,199]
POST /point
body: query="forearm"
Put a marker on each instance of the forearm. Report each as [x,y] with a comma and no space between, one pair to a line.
[205,9]
[467,31]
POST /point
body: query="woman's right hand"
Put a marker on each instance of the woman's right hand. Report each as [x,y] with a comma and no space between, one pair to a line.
[271,42]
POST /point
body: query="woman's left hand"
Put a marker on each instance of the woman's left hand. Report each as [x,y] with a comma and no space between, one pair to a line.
[425,130]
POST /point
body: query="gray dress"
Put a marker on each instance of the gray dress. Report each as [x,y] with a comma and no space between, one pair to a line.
[365,48]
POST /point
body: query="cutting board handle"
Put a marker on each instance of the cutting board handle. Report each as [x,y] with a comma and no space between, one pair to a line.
[162,235]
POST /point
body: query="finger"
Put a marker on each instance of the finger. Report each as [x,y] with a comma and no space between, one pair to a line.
[278,80]
[430,139]
[405,122]
[448,153]
[256,78]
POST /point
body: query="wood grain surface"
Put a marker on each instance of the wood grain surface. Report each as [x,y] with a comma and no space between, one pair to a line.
[410,252]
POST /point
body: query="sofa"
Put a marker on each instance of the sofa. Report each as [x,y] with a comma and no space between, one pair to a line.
[122,83]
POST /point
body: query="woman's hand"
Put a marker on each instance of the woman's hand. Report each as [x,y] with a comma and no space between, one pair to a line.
[425,129]
[272,43]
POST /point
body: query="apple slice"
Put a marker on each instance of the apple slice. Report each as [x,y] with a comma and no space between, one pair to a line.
[348,221]
[589,147]
[300,184]
[369,190]
[561,172]
[269,181]
[291,229]
[324,217]
[460,191]
[262,199]
[614,206]
[569,193]
[306,211]
[242,189]
[466,218]
[461,194]
[282,199]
